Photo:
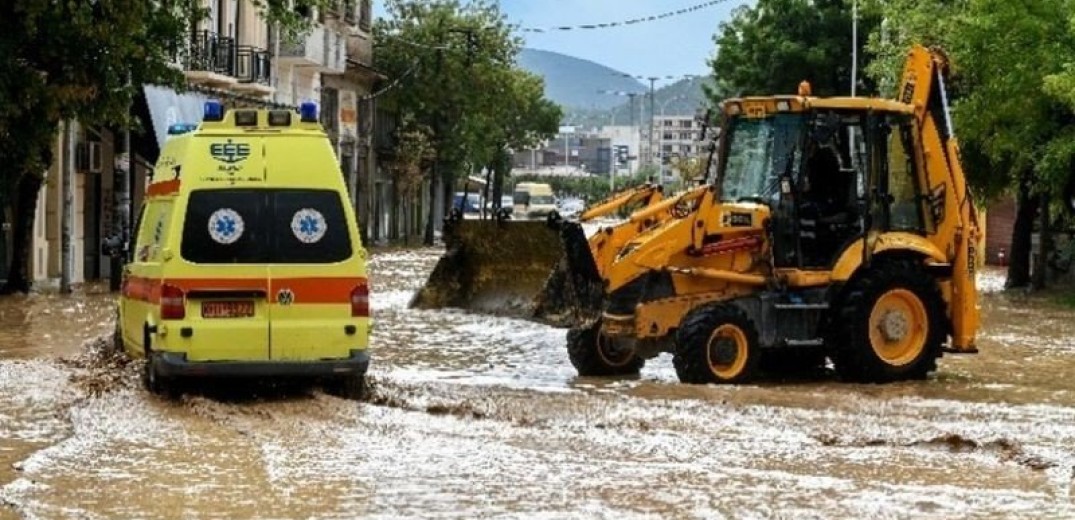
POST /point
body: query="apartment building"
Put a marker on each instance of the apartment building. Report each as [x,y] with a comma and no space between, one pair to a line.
[675,137]
[235,56]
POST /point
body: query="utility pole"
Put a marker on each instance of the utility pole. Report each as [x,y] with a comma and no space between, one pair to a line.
[652,155]
[854,45]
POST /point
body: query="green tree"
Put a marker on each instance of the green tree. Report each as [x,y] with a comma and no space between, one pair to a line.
[82,61]
[455,64]
[771,47]
[689,169]
[517,116]
[1009,58]
[414,153]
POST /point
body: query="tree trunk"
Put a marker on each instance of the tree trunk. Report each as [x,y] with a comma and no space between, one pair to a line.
[1041,269]
[67,210]
[1022,232]
[18,276]
[393,225]
[428,239]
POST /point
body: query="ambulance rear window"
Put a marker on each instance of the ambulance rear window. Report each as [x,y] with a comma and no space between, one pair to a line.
[255,226]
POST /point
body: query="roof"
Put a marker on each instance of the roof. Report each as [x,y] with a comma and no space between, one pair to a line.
[756,105]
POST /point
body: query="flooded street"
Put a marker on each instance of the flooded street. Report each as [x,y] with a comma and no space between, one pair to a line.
[474,416]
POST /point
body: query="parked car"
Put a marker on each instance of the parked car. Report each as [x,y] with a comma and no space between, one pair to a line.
[473,204]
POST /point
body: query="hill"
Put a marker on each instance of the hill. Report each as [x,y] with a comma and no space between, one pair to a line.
[576,83]
[682,98]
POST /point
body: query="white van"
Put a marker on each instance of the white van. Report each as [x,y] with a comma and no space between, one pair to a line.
[533,200]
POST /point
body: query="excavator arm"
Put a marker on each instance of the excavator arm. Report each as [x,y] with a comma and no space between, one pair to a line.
[944,182]
[647,193]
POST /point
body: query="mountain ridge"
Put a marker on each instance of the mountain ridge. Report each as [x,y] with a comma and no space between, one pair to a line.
[592,94]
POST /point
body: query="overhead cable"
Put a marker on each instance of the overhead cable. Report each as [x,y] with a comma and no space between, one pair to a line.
[635,21]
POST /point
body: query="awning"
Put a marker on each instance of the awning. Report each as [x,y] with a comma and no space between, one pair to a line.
[168,107]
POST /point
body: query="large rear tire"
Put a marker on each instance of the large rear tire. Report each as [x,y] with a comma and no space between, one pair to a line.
[594,354]
[890,325]
[716,344]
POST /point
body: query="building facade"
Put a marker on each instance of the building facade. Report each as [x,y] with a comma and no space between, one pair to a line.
[676,137]
[235,56]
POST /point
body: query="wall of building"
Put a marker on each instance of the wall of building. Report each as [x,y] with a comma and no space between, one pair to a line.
[999,221]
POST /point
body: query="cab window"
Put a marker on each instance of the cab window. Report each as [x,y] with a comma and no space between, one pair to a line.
[905,210]
[246,226]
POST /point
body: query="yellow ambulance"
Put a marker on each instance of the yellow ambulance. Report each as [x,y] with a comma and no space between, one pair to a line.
[247,259]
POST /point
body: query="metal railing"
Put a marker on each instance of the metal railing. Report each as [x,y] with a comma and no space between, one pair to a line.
[349,12]
[365,15]
[211,52]
[253,65]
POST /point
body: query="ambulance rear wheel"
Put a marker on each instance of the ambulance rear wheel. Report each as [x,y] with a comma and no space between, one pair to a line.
[594,354]
[116,345]
[156,383]
[351,387]
[152,379]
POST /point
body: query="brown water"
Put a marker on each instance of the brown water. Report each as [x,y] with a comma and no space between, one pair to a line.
[481,416]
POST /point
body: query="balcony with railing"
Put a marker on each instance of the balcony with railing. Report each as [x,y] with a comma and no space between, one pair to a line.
[253,69]
[365,15]
[210,59]
[324,48]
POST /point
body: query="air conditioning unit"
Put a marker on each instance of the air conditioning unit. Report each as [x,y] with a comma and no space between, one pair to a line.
[88,157]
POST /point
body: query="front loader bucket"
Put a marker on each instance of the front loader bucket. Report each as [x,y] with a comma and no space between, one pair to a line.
[514,268]
[574,293]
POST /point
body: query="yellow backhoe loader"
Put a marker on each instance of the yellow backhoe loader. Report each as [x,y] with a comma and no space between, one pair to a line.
[836,227]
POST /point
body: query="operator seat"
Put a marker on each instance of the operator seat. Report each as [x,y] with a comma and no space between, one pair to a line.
[825,209]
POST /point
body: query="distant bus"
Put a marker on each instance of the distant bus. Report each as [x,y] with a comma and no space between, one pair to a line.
[533,200]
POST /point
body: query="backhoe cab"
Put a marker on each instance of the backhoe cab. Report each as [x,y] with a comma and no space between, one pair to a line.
[836,228]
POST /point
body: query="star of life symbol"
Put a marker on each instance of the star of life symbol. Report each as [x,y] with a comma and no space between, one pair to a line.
[308,225]
[225,226]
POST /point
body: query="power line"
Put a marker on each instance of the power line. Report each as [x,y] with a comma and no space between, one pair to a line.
[421,45]
[395,83]
[634,21]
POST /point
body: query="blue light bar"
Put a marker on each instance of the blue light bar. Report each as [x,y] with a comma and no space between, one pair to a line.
[181,128]
[214,111]
[308,112]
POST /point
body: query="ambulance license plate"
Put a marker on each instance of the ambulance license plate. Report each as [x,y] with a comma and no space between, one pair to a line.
[239,309]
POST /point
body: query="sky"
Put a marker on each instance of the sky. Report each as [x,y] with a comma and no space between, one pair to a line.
[675,46]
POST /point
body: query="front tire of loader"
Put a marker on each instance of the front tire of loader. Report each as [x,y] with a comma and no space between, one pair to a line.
[593,354]
[890,325]
[716,344]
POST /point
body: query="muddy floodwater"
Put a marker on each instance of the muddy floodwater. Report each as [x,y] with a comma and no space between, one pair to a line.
[476,416]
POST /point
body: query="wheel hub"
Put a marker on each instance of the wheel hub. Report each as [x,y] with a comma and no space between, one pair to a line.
[724,351]
[894,326]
